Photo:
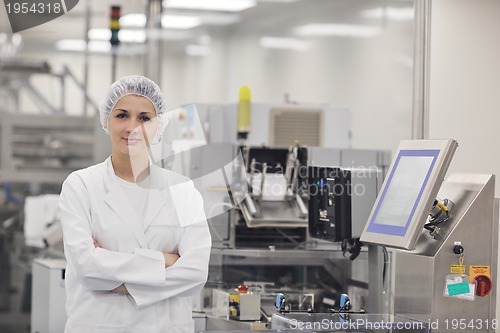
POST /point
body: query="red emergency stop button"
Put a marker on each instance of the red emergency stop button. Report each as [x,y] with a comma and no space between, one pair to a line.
[242,289]
[483,285]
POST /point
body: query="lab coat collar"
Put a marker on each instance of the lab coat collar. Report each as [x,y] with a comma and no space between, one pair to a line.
[118,202]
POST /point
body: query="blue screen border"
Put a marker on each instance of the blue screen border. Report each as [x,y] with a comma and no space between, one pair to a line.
[396,230]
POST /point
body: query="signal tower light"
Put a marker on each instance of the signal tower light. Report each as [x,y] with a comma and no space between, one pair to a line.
[114,25]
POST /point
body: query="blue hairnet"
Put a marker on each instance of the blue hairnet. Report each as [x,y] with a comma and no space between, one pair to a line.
[133,85]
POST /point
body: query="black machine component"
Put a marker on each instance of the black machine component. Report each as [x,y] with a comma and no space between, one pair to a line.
[274,159]
[329,209]
[280,238]
[340,201]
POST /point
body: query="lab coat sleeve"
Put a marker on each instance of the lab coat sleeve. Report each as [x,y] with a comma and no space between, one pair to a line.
[100,269]
[189,273]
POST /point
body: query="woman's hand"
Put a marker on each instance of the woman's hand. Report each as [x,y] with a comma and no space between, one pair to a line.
[170,258]
[121,290]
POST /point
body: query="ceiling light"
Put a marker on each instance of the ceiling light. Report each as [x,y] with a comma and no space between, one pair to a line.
[132,36]
[138,20]
[99,34]
[221,5]
[133,20]
[125,35]
[332,29]
[283,43]
[179,22]
[70,45]
[397,14]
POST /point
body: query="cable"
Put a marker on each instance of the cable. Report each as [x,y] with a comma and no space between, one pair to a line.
[436,216]
[386,262]
[431,226]
[353,246]
[287,237]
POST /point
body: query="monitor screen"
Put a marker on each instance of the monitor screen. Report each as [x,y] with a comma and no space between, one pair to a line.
[411,186]
[403,191]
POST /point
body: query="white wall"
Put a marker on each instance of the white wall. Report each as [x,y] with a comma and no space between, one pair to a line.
[465,82]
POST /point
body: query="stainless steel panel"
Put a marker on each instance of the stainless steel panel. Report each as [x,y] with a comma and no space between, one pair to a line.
[323,156]
[360,158]
[275,214]
[420,275]
[365,184]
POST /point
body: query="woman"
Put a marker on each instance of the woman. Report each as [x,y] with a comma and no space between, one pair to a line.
[136,239]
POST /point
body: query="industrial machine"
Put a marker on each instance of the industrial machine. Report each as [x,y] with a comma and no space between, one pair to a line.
[275,211]
[446,238]
[272,141]
[448,276]
[40,145]
[340,200]
[272,238]
[277,144]
[39,141]
[265,236]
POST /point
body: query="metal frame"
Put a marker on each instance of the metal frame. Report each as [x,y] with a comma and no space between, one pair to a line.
[421,69]
[420,274]
[43,123]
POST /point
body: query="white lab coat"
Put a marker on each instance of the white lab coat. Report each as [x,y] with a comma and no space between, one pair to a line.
[93,206]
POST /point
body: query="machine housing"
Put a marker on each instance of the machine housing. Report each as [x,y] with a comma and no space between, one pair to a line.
[340,201]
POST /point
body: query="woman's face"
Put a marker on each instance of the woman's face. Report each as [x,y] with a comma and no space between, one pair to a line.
[132,125]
